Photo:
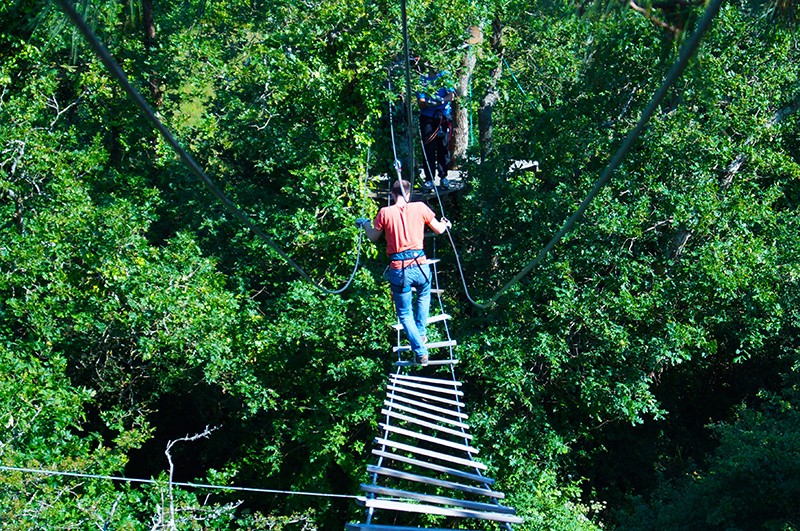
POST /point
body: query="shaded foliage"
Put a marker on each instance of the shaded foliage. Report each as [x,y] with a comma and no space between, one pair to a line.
[134,311]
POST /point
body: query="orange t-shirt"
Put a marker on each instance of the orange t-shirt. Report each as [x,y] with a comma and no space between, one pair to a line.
[404,226]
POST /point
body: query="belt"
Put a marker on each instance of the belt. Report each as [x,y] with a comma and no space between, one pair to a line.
[404,259]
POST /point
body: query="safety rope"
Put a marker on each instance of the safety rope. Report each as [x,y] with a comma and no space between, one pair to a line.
[674,72]
[117,72]
[519,85]
[124,479]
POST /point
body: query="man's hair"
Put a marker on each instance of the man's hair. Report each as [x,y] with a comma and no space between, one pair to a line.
[401,187]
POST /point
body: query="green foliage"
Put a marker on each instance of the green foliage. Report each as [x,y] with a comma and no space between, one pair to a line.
[132,307]
[749,482]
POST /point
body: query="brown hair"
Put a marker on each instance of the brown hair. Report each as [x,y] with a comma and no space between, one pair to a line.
[401,187]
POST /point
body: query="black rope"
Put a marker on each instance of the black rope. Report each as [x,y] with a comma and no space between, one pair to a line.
[195,168]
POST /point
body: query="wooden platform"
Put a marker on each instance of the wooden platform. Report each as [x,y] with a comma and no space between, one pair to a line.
[379,188]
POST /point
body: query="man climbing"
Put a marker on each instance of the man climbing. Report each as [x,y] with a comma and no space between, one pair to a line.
[435,125]
[403,224]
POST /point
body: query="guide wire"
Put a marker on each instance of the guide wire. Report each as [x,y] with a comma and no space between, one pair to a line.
[690,46]
[175,483]
[117,72]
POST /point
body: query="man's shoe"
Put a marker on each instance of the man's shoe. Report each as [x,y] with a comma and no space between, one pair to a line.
[428,186]
[444,183]
[422,360]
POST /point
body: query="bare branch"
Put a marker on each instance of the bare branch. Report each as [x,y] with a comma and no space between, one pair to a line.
[205,433]
[52,102]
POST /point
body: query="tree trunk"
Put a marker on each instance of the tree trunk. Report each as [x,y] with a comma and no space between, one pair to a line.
[492,94]
[461,129]
[149,46]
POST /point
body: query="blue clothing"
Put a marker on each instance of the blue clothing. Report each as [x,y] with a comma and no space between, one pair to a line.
[430,94]
[412,315]
[435,125]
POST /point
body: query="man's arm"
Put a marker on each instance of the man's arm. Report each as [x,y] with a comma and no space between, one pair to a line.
[372,233]
[439,226]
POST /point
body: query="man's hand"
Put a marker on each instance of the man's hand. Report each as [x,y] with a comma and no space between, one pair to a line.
[361,222]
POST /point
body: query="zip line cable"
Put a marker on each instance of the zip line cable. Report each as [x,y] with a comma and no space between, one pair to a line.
[117,72]
[123,479]
[672,75]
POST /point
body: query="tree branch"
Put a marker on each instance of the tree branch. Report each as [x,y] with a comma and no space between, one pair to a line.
[205,433]
[647,13]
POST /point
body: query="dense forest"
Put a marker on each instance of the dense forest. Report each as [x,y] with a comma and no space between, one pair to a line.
[644,375]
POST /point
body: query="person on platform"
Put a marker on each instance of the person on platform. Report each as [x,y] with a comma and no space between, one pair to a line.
[436,126]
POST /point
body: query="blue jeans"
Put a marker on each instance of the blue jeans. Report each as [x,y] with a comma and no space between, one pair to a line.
[401,281]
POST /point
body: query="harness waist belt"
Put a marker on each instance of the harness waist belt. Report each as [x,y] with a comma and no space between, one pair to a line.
[407,258]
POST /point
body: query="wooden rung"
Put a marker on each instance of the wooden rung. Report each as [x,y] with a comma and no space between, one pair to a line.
[477,478]
[417,478]
[434,291]
[430,453]
[425,380]
[431,320]
[424,414]
[394,389]
[376,527]
[412,420]
[430,362]
[435,344]
[442,511]
[397,398]
[435,389]
[441,500]
[428,438]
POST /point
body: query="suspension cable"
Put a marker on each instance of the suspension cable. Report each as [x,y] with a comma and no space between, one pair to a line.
[677,68]
[117,72]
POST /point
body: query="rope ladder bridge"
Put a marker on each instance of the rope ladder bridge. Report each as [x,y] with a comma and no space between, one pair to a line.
[425,460]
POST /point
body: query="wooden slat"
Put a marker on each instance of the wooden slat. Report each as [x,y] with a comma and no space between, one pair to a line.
[430,362]
[429,453]
[432,319]
[435,344]
[428,438]
[434,291]
[399,407]
[418,478]
[431,425]
[482,480]
[424,379]
[391,397]
[378,527]
[434,388]
[442,511]
[441,500]
[394,389]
